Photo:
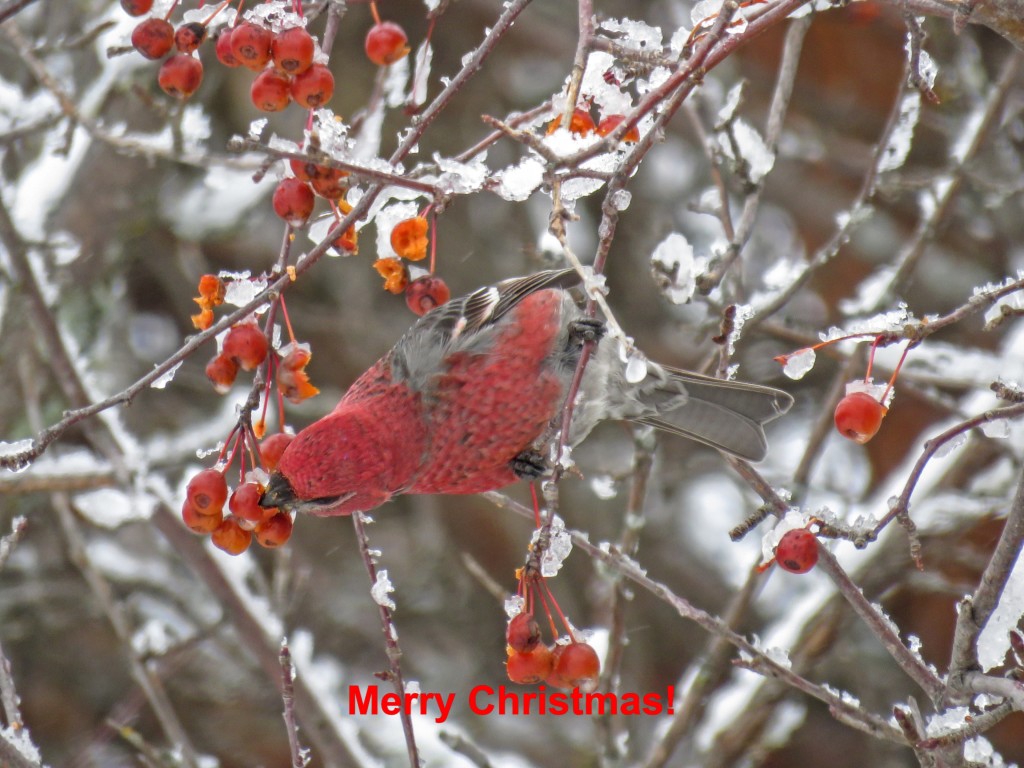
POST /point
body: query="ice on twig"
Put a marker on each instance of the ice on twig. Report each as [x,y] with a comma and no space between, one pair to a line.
[674,268]
[382,589]
[166,377]
[517,182]
[515,605]
[799,363]
[559,547]
[898,147]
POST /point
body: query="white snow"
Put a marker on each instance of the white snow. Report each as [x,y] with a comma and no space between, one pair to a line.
[675,267]
[902,136]
[799,363]
[382,589]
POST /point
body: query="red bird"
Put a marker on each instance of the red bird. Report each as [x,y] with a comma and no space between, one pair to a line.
[470,397]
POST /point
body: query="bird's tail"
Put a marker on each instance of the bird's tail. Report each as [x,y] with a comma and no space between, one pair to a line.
[728,415]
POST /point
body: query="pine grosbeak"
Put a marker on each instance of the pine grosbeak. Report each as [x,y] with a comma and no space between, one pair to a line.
[470,397]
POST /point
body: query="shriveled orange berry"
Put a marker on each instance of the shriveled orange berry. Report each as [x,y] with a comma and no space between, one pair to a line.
[409,238]
[394,274]
[203,320]
[211,291]
[581,123]
[611,122]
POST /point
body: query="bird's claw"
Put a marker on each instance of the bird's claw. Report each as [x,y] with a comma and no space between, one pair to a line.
[529,465]
[586,329]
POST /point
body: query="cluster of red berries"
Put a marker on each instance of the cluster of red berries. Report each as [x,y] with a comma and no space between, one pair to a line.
[181,74]
[284,61]
[563,665]
[582,124]
[207,492]
[245,347]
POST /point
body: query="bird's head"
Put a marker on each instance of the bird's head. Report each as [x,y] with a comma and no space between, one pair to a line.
[336,466]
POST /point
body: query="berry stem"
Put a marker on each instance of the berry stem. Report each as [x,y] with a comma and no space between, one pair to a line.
[287,320]
[896,372]
[871,359]
[205,22]
[558,609]
[167,16]
[373,10]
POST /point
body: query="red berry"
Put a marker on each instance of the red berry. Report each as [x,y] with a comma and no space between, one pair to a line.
[303,171]
[223,49]
[230,537]
[314,87]
[246,345]
[188,37]
[576,666]
[425,293]
[797,551]
[272,447]
[386,43]
[522,633]
[207,492]
[270,91]
[245,503]
[330,183]
[136,7]
[293,201]
[858,416]
[197,522]
[531,667]
[293,50]
[221,371]
[153,38]
[250,44]
[275,531]
[180,75]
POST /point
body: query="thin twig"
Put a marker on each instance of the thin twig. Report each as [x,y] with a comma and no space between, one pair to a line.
[391,647]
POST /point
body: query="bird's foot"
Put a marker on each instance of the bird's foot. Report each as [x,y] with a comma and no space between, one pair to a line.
[529,465]
[585,329]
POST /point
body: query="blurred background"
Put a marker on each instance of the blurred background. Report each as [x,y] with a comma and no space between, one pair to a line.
[122,239]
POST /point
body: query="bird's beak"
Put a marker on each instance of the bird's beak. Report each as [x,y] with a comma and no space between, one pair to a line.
[279,493]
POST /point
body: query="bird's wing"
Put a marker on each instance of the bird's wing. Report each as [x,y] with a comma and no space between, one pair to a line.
[463,322]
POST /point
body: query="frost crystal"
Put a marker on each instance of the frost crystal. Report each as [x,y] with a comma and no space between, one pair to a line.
[381,590]
[636,367]
[674,268]
[621,199]
[635,35]
[1000,428]
[603,486]
[515,605]
[994,639]
[461,178]
[166,377]
[241,287]
[752,149]
[704,10]
[799,363]
[898,146]
[559,547]
[256,128]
